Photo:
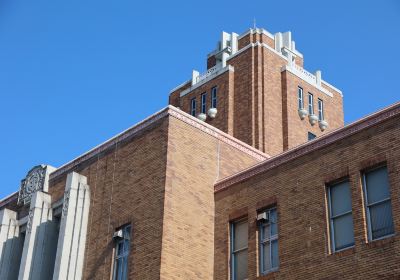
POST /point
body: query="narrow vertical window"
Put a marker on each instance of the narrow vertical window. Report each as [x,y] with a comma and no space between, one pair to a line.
[203,102]
[340,216]
[268,229]
[193,107]
[300,98]
[122,248]
[320,109]
[310,104]
[239,234]
[378,203]
[311,136]
[214,97]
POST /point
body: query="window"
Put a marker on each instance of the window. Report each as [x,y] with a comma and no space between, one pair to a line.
[320,109]
[214,97]
[269,260]
[378,203]
[122,248]
[203,103]
[193,107]
[239,232]
[310,104]
[340,216]
[300,97]
[311,136]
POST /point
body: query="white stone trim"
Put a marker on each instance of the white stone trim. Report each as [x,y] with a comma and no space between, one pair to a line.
[306,78]
[9,244]
[332,87]
[8,198]
[210,77]
[256,31]
[73,229]
[32,255]
[178,87]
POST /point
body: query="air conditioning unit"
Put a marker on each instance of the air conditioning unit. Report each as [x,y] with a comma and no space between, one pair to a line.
[263,217]
[118,234]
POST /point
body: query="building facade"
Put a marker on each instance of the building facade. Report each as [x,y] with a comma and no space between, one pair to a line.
[249,173]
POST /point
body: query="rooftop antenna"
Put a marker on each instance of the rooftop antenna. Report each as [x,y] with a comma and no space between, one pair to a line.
[254,23]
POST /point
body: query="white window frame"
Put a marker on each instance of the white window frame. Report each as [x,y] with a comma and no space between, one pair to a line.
[270,239]
[234,251]
[332,218]
[368,206]
[214,97]
[193,106]
[310,103]
[118,256]
[203,102]
[300,98]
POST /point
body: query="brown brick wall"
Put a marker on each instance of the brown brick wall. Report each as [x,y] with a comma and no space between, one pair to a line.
[211,61]
[127,186]
[162,182]
[298,188]
[225,94]
[260,108]
[195,161]
[295,129]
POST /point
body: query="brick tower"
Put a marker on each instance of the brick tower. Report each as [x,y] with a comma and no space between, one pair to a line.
[256,89]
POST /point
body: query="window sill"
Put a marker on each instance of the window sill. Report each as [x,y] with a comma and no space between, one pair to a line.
[381,242]
[268,276]
[344,252]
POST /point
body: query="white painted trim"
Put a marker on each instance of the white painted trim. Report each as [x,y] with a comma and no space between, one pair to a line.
[297,53]
[273,50]
[3,201]
[256,31]
[304,78]
[202,82]
[258,44]
[178,87]
[332,87]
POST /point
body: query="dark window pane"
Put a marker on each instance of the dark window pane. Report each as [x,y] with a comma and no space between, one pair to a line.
[120,248]
[267,257]
[265,232]
[381,219]
[377,185]
[274,253]
[340,198]
[343,231]
[241,265]
[311,136]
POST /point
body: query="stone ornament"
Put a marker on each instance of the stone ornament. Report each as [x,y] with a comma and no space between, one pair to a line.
[33,182]
[212,112]
[29,223]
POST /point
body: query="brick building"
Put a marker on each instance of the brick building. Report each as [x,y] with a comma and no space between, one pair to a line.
[249,173]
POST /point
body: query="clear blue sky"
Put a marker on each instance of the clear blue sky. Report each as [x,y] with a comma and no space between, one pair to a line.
[74,73]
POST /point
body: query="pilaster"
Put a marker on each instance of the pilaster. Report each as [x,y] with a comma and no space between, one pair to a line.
[72,237]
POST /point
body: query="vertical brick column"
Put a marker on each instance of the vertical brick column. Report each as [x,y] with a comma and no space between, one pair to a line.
[74,221]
